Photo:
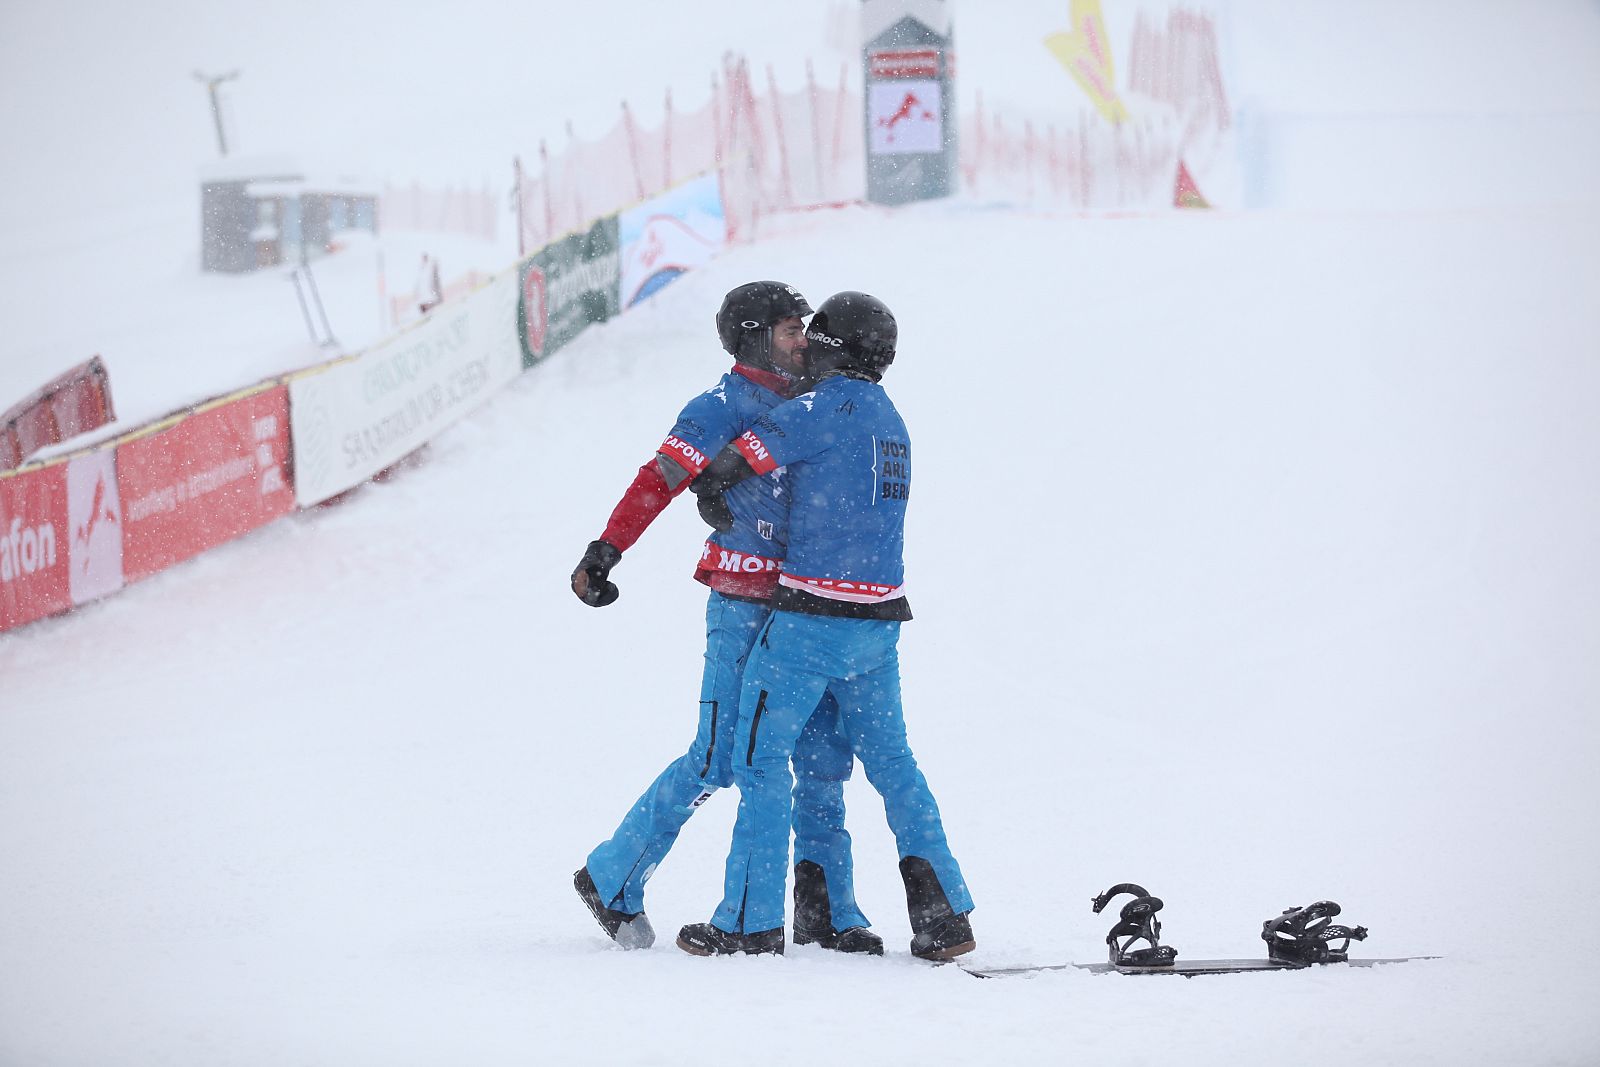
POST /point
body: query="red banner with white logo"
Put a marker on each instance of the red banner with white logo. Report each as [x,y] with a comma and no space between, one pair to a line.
[94,517]
[903,63]
[212,476]
[35,540]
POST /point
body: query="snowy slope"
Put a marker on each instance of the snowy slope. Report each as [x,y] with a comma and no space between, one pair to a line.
[1286,568]
[1253,559]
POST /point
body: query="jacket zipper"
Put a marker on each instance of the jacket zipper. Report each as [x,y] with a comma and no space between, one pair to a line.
[712,745]
[755,724]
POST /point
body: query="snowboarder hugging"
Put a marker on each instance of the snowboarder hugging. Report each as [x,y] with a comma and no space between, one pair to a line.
[834,632]
[760,325]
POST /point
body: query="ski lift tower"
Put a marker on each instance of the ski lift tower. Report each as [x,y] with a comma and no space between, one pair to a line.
[909,61]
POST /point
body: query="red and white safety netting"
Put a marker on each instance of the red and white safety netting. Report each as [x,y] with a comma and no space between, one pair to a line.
[1178,114]
[775,150]
[781,150]
[454,210]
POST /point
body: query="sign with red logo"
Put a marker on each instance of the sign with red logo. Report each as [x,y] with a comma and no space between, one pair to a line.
[209,478]
[669,235]
[566,287]
[95,519]
[903,63]
[35,542]
[905,117]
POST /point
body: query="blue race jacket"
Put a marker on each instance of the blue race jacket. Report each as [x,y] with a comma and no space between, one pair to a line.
[746,559]
[847,462]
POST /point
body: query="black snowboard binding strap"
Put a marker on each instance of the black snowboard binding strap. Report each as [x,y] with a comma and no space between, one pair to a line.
[1139,923]
[1307,935]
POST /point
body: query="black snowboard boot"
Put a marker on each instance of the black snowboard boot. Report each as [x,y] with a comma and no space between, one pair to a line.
[938,933]
[703,939]
[813,916]
[629,931]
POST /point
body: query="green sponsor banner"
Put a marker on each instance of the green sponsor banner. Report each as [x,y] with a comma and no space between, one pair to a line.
[566,286]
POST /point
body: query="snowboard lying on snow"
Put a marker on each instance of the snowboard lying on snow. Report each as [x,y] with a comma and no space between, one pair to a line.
[1186,968]
[1297,940]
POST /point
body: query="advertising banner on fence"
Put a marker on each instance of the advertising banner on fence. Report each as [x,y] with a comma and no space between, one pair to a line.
[359,416]
[565,287]
[672,233]
[203,480]
[34,542]
[94,517]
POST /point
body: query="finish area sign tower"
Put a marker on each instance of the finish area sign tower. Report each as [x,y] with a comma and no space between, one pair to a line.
[909,63]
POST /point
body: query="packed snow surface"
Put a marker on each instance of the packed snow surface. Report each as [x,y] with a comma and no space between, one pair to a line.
[1253,558]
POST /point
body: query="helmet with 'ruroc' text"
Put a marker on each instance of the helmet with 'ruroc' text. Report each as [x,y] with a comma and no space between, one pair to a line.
[851,332]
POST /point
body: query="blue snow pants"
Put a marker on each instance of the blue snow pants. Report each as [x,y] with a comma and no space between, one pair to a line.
[621,865]
[798,659]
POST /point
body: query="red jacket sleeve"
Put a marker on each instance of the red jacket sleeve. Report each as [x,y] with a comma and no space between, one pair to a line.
[646,498]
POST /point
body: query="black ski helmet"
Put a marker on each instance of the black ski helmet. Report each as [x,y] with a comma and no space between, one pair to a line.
[748,314]
[851,332]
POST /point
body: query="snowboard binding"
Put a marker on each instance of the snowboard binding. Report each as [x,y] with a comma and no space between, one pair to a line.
[1306,935]
[1139,923]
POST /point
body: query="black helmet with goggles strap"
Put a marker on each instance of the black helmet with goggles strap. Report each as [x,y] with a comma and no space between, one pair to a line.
[748,314]
[851,332]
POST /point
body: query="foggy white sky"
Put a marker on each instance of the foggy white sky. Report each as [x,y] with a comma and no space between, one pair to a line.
[103,127]
[106,87]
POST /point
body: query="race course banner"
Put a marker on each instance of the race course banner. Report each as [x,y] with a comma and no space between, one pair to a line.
[94,517]
[60,537]
[204,479]
[566,287]
[359,416]
[34,541]
[670,234]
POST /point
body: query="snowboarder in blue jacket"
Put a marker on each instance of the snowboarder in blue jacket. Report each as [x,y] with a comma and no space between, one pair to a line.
[761,325]
[834,631]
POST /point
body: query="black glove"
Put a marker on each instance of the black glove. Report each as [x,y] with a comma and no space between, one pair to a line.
[714,510]
[726,469]
[589,580]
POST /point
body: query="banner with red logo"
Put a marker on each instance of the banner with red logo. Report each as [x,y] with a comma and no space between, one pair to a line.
[566,287]
[35,540]
[669,235]
[94,518]
[204,479]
